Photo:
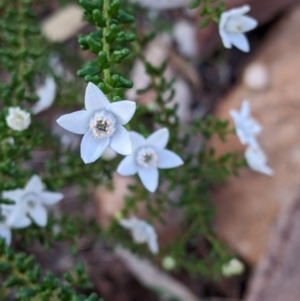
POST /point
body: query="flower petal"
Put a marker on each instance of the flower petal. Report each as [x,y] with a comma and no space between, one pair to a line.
[120,141]
[238,11]
[245,110]
[123,110]
[152,243]
[39,214]
[239,40]
[34,184]
[127,223]
[233,14]
[149,178]
[46,94]
[50,198]
[92,148]
[19,220]
[14,195]
[247,23]
[5,233]
[159,139]
[127,166]
[168,159]
[257,160]
[94,98]
[76,122]
[225,39]
[137,140]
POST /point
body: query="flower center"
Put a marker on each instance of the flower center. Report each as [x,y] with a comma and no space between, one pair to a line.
[103,124]
[31,199]
[234,26]
[146,157]
[31,204]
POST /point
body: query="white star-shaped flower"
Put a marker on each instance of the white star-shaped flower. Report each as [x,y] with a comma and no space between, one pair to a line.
[31,201]
[257,160]
[246,127]
[147,156]
[142,232]
[233,25]
[18,119]
[101,124]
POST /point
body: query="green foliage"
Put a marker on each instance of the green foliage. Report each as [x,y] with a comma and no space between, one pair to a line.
[107,42]
[25,280]
[211,10]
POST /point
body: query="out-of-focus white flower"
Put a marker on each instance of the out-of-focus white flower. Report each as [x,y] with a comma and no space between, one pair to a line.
[257,160]
[10,140]
[233,25]
[101,124]
[246,127]
[18,119]
[109,154]
[46,94]
[169,263]
[185,35]
[142,232]
[256,76]
[32,201]
[233,268]
[147,156]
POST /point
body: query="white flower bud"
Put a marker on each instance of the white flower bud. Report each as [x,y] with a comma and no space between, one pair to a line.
[18,119]
[168,263]
[256,77]
[233,268]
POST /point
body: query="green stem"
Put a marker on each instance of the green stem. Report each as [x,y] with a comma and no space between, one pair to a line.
[106,72]
[20,65]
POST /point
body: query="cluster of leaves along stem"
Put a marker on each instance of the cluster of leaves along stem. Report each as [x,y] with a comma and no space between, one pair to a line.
[107,42]
[211,10]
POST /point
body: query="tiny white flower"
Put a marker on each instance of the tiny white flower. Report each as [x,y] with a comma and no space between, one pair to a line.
[101,124]
[233,24]
[46,94]
[18,119]
[147,156]
[257,160]
[246,127]
[233,268]
[31,201]
[142,232]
